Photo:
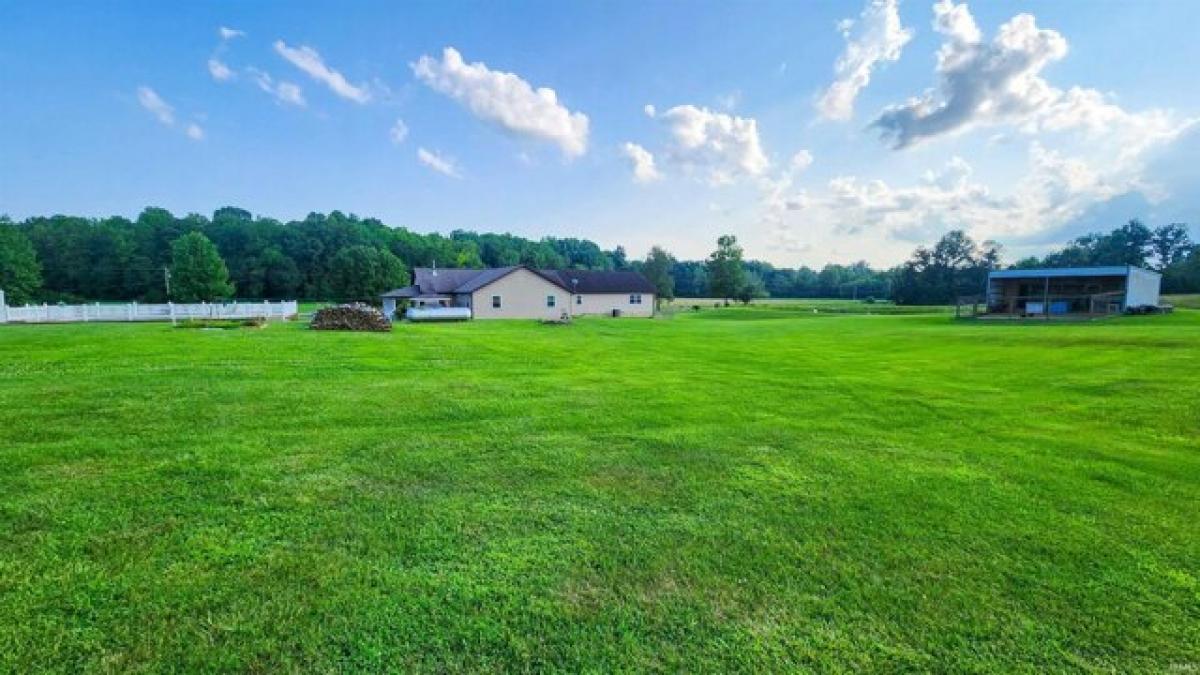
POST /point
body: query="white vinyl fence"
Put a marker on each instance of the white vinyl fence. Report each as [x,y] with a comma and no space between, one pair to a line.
[139,312]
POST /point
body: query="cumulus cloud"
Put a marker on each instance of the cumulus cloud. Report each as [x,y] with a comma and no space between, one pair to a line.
[505,100]
[230,33]
[150,100]
[283,92]
[1000,82]
[722,147]
[308,60]
[194,132]
[439,163]
[219,71]
[801,160]
[642,162]
[398,132]
[877,36]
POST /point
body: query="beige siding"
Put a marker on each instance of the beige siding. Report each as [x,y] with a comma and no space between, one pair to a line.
[605,303]
[522,296]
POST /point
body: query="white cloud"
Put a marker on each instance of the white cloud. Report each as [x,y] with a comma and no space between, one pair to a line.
[649,110]
[506,100]
[642,162]
[150,100]
[165,113]
[982,83]
[284,92]
[439,163]
[398,132]
[230,33]
[219,71]
[307,59]
[877,36]
[721,146]
[801,160]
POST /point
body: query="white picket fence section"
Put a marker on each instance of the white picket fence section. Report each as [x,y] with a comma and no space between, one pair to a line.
[151,312]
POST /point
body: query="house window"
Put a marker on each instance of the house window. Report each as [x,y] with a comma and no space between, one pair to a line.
[550,300]
[579,299]
[635,298]
[495,302]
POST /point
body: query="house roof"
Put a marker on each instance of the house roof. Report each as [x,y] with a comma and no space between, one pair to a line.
[601,281]
[436,280]
[406,292]
[430,281]
[1042,273]
[485,277]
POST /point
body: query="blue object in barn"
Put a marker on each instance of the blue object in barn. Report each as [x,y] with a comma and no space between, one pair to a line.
[1060,307]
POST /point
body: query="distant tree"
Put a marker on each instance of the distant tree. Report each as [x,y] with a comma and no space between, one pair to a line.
[690,277]
[362,273]
[657,268]
[1170,244]
[752,287]
[725,272]
[954,266]
[198,274]
[618,258]
[1183,276]
[20,272]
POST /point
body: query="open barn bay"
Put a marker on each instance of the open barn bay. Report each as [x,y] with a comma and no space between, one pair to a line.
[736,489]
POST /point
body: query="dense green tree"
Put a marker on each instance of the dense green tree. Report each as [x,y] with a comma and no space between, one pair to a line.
[362,273]
[198,274]
[20,272]
[955,266]
[1170,244]
[725,272]
[657,268]
[752,287]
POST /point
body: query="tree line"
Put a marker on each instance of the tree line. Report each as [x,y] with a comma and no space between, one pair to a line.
[337,256]
[331,256]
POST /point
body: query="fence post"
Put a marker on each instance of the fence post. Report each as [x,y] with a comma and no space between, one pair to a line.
[3,308]
[171,311]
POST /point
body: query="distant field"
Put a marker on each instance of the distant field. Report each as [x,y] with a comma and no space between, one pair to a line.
[1188,301]
[707,493]
[813,305]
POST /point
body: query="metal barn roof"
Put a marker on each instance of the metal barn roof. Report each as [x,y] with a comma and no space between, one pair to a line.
[1041,273]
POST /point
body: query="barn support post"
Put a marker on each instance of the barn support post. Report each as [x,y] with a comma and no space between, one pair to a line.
[1046,299]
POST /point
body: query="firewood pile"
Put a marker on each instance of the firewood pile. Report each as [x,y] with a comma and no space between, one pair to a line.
[355,316]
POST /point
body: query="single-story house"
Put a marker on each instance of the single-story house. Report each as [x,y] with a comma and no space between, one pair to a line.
[1071,290]
[520,292]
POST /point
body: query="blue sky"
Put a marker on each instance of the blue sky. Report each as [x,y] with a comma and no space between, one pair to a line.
[814,132]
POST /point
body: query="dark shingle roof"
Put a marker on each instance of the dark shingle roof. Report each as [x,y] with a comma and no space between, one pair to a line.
[406,292]
[432,280]
[601,281]
[484,278]
[427,280]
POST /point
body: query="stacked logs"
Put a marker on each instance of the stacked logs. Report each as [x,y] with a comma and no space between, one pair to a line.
[355,316]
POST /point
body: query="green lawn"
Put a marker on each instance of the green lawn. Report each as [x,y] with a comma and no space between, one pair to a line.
[743,489]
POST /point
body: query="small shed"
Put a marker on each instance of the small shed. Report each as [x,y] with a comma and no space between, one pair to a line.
[1065,291]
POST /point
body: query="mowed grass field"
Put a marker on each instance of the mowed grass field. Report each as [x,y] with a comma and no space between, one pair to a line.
[735,490]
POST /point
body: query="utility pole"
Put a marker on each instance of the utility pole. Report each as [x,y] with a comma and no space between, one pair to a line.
[167,280]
